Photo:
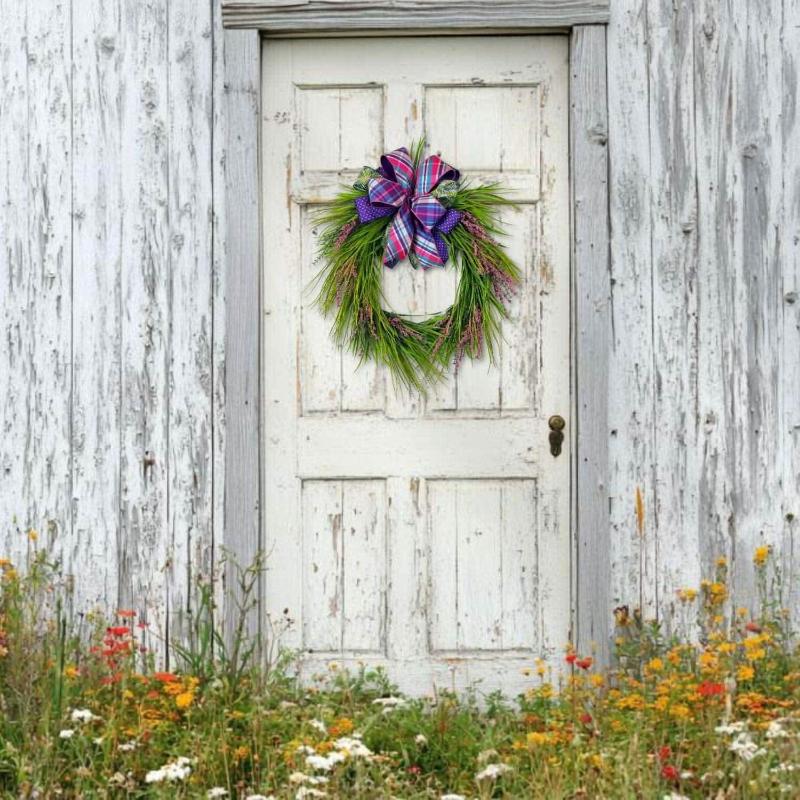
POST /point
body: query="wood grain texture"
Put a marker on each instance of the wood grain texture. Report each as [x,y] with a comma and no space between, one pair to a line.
[789,244]
[241,103]
[281,16]
[631,451]
[114,148]
[592,334]
[97,300]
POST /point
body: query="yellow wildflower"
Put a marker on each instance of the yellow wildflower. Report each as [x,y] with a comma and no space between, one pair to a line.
[717,593]
[633,702]
[597,680]
[726,647]
[184,699]
[761,555]
[71,671]
[722,562]
[745,673]
[687,595]
[655,665]
[661,703]
[708,660]
[240,753]
[32,535]
[596,760]
[680,711]
[537,738]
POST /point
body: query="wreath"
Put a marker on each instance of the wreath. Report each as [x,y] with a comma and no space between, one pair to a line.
[416,208]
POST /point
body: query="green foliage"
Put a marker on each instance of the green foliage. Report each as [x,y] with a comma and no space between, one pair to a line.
[417,353]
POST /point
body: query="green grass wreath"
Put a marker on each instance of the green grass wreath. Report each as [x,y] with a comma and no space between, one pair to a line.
[416,208]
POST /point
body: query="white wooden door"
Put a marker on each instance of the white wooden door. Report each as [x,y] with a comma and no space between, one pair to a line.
[431,536]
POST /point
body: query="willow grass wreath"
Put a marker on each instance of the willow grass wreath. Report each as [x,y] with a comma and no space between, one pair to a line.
[416,208]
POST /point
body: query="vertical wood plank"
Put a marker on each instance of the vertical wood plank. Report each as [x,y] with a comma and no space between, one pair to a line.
[322,568]
[190,72]
[757,331]
[218,343]
[790,249]
[144,517]
[673,213]
[364,566]
[479,564]
[592,332]
[241,104]
[443,621]
[48,330]
[409,568]
[631,446]
[97,304]
[519,543]
[16,285]
[716,243]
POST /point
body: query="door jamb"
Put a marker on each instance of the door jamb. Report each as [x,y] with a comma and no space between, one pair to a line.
[591,339]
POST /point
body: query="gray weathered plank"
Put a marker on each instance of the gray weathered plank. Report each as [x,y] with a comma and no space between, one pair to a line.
[673,231]
[757,442]
[592,332]
[16,297]
[242,372]
[790,253]
[631,368]
[283,16]
[144,212]
[190,282]
[97,303]
[49,299]
[219,238]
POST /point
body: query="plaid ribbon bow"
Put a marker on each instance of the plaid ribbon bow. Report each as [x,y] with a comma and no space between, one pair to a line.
[419,217]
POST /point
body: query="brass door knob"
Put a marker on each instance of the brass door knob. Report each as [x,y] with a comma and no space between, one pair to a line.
[556,436]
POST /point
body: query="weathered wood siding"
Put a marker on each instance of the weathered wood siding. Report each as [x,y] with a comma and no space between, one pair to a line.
[705,206]
[112,294]
[113,134]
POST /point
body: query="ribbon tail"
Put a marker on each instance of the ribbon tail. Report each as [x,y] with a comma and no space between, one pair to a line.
[367,212]
[399,238]
[426,249]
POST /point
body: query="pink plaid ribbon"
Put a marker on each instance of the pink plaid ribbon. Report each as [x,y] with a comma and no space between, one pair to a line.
[419,218]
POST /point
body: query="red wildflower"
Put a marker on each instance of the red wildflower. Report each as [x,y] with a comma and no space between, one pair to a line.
[586,719]
[166,677]
[571,658]
[669,772]
[664,753]
[710,689]
[753,627]
[126,613]
[585,663]
[414,769]
[118,630]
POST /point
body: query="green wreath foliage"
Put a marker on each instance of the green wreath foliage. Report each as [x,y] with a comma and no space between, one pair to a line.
[417,353]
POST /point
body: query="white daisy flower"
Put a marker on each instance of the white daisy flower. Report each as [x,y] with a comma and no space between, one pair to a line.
[67,733]
[82,715]
[492,772]
[217,791]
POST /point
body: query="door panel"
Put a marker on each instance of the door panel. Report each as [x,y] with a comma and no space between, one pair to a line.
[428,535]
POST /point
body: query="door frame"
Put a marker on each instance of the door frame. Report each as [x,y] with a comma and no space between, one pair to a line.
[590,268]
